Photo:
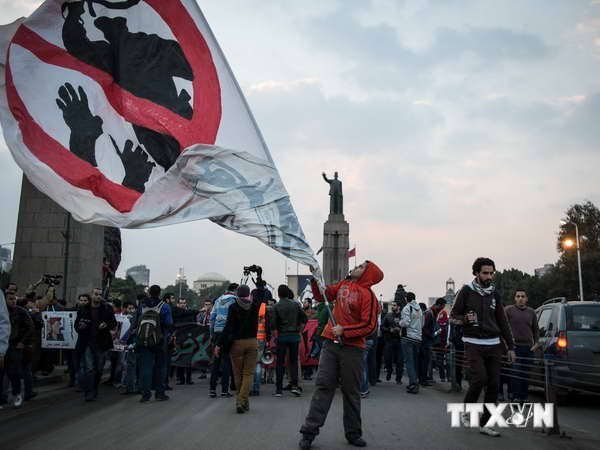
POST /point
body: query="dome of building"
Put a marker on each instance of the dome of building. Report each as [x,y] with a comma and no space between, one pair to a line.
[212,276]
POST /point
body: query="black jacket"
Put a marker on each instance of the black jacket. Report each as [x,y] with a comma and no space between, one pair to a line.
[492,321]
[21,327]
[241,324]
[288,317]
[391,321]
[104,340]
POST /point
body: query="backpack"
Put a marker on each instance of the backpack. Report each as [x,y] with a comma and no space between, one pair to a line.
[149,330]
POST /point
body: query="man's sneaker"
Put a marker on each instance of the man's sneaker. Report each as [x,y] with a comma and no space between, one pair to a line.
[412,388]
[465,419]
[306,442]
[145,399]
[240,409]
[278,394]
[226,394]
[364,394]
[297,392]
[212,394]
[161,397]
[489,431]
[18,402]
[357,442]
[246,407]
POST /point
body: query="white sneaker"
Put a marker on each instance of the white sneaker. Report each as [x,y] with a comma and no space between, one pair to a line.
[489,431]
[18,401]
[465,419]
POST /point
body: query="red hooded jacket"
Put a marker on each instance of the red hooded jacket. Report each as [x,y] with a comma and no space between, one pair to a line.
[355,306]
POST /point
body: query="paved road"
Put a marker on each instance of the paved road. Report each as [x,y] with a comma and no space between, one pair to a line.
[190,420]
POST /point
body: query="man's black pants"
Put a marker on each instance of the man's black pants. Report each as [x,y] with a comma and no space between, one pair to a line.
[343,364]
[484,363]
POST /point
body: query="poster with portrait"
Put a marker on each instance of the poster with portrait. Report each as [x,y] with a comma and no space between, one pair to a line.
[121,332]
[59,329]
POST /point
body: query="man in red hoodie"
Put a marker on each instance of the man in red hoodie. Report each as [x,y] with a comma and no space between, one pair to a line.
[355,312]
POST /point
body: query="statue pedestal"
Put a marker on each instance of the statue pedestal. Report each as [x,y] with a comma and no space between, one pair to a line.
[40,246]
[335,248]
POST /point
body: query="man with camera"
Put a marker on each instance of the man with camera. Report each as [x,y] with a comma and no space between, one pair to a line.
[354,318]
[93,324]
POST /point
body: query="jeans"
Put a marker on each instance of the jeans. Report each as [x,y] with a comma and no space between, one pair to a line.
[393,357]
[129,374]
[153,368]
[364,386]
[520,387]
[258,369]
[282,349]
[424,361]
[484,364]
[410,350]
[92,365]
[13,367]
[340,365]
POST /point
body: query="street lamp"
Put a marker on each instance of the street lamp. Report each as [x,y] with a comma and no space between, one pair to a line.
[569,243]
[179,282]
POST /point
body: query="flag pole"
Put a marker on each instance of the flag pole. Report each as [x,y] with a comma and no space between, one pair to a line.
[355,254]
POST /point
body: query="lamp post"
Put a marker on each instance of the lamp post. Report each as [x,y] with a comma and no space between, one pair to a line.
[569,243]
[179,280]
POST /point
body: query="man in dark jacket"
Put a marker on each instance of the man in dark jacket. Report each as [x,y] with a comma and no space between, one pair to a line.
[93,324]
[428,338]
[288,320]
[393,348]
[479,309]
[21,333]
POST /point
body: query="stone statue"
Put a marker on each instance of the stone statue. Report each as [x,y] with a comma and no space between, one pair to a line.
[336,200]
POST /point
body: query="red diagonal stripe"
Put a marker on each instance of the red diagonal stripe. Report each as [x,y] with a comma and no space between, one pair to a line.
[74,170]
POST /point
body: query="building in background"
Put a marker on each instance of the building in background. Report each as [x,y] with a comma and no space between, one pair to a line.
[140,274]
[5,259]
[208,280]
[448,296]
[300,285]
[539,273]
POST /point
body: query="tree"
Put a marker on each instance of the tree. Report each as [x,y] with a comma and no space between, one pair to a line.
[587,218]
[186,292]
[125,289]
[213,292]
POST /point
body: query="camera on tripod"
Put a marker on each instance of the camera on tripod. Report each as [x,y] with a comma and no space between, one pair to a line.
[253,269]
[51,280]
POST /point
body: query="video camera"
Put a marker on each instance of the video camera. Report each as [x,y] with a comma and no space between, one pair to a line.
[253,268]
[51,280]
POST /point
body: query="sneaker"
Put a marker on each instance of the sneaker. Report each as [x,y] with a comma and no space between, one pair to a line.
[226,394]
[364,394]
[465,419]
[161,397]
[246,407]
[357,442]
[306,442]
[297,392]
[145,399]
[202,376]
[489,431]
[278,394]
[212,394]
[412,388]
[240,409]
[18,401]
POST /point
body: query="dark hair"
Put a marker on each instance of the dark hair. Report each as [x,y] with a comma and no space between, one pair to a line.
[440,301]
[22,302]
[62,302]
[126,303]
[519,289]
[154,291]
[410,296]
[480,262]
[140,297]
[283,291]
[89,298]
[30,296]
[232,287]
[423,306]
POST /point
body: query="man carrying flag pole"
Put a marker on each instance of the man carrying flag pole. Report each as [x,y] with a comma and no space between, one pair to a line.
[354,317]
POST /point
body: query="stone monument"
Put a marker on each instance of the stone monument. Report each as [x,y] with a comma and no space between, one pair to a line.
[49,241]
[336,231]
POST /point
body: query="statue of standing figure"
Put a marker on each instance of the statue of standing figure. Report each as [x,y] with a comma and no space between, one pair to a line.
[336,198]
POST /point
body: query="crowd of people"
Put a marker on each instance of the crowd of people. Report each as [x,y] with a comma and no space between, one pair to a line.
[355,340]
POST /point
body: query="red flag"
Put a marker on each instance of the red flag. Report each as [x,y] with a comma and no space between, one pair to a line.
[352,253]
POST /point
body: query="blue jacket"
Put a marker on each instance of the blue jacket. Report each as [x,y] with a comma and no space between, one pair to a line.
[166,318]
[218,315]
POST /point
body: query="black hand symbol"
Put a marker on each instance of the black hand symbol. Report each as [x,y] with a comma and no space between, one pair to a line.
[137,166]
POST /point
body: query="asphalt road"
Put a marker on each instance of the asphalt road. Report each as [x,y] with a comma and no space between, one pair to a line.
[190,420]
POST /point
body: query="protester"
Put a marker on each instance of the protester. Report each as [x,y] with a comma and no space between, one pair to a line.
[524,326]
[412,320]
[93,325]
[129,380]
[480,310]
[393,346]
[429,335]
[28,305]
[263,332]
[239,334]
[288,320]
[355,313]
[203,319]
[221,361]
[113,356]
[154,323]
[441,345]
[183,316]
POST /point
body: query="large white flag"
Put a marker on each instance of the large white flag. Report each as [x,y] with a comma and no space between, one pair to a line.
[126,113]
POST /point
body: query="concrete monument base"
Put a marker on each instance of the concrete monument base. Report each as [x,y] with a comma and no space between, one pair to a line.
[335,248]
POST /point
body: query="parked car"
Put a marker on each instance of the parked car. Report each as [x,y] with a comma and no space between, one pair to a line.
[570,336]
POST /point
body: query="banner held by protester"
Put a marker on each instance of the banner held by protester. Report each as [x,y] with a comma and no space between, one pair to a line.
[59,329]
[162,137]
[192,344]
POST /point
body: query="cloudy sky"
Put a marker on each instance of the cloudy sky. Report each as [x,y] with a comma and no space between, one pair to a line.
[459,128]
